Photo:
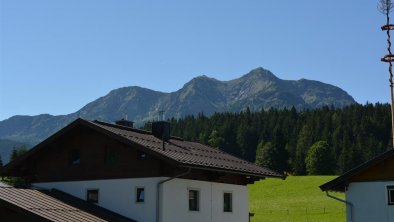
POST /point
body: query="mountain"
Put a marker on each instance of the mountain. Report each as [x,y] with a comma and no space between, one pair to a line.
[259,89]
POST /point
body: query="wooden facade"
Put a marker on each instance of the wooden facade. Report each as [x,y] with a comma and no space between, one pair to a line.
[379,172]
[380,168]
[100,157]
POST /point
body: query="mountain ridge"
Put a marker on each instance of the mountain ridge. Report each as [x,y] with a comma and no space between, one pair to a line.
[258,89]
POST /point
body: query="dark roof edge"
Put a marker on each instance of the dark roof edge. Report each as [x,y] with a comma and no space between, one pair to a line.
[262,176]
[337,182]
[279,175]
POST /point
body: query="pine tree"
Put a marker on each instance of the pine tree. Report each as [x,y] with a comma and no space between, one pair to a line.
[259,154]
[14,154]
[304,142]
[17,152]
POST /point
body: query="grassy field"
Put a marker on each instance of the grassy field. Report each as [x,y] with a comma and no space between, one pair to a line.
[298,198]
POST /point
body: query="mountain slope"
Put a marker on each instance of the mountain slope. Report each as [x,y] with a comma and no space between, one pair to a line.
[258,89]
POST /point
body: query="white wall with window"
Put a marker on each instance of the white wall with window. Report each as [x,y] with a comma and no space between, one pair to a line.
[216,202]
[133,198]
[181,200]
[372,201]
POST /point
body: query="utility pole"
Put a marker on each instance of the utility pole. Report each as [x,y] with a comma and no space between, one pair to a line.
[385,7]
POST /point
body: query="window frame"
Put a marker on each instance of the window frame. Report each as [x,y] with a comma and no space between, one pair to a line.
[98,195]
[136,194]
[198,199]
[390,188]
[231,202]
[141,155]
[111,156]
[72,161]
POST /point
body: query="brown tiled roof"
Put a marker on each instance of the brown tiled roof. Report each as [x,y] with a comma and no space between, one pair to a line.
[339,184]
[64,207]
[187,153]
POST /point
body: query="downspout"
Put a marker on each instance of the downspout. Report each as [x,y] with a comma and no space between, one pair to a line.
[343,201]
[158,191]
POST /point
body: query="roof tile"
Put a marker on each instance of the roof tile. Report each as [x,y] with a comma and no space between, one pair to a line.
[46,204]
[189,153]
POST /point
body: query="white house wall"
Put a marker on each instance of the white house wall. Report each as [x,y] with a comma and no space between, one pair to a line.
[369,201]
[175,206]
[118,195]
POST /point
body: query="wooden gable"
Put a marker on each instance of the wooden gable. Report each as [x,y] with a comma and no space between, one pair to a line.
[381,171]
[380,168]
[100,157]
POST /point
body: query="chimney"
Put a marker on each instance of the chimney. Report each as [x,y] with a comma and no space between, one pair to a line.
[161,130]
[125,122]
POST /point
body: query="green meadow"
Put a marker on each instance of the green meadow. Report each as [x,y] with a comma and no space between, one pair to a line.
[298,198]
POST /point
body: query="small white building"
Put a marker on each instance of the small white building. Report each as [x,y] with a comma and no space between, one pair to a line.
[369,190]
[144,176]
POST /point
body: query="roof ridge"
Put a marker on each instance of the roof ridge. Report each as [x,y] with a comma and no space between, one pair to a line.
[122,127]
[130,129]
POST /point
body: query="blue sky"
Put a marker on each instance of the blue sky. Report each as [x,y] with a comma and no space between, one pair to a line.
[56,56]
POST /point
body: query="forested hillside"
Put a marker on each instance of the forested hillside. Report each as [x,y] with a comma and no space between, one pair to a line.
[281,139]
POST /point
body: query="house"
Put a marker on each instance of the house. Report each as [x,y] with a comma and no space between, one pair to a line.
[369,189]
[141,175]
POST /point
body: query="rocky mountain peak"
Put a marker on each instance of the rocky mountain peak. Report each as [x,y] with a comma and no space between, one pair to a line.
[258,89]
[261,73]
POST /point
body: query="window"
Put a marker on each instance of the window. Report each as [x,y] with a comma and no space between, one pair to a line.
[141,155]
[75,158]
[92,195]
[140,195]
[194,200]
[227,202]
[111,156]
[390,195]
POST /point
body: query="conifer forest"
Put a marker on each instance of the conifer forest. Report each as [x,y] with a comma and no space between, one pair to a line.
[326,140]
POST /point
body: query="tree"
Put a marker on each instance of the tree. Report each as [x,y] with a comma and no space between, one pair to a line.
[1,161]
[303,144]
[281,155]
[17,152]
[355,133]
[215,140]
[320,159]
[259,154]
[273,154]
[266,155]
